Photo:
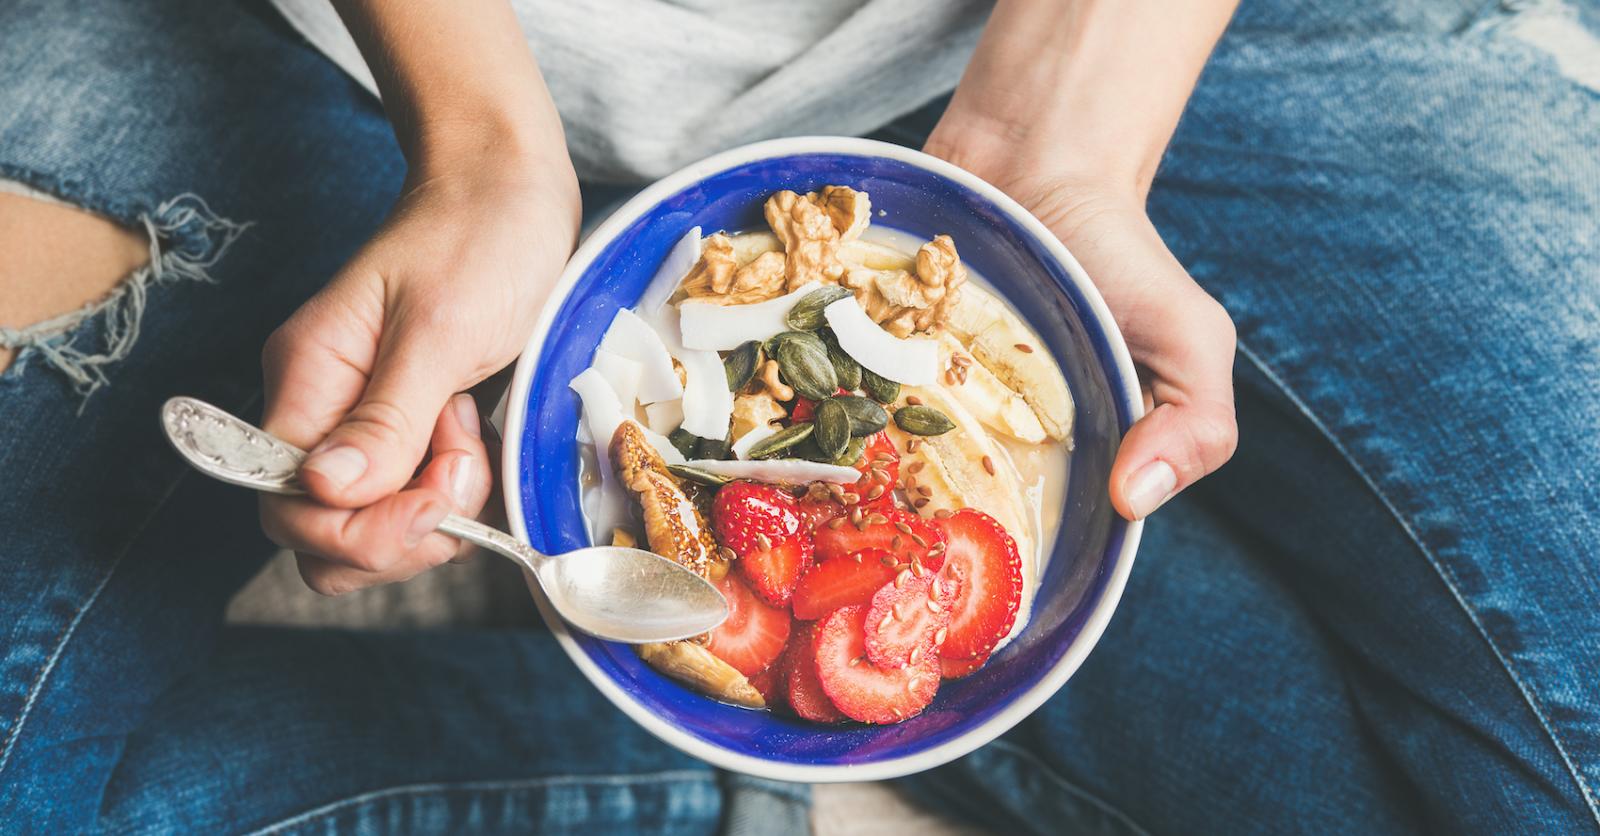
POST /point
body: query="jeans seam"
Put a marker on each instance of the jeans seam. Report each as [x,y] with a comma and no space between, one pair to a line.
[445,787]
[1441,570]
[1050,772]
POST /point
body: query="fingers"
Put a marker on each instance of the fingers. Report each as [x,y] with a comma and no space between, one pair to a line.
[341,550]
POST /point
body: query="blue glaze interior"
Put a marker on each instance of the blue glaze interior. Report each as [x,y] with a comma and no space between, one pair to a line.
[924,204]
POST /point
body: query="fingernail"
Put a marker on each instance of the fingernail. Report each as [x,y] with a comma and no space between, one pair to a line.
[467,414]
[1149,487]
[341,465]
[462,475]
[425,522]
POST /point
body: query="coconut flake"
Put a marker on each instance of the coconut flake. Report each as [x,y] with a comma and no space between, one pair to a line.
[674,268]
[622,373]
[603,413]
[714,327]
[780,471]
[664,416]
[605,507]
[741,447]
[912,362]
[633,338]
[707,403]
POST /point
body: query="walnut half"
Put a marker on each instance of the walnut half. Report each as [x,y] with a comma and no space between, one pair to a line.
[717,276]
[903,302]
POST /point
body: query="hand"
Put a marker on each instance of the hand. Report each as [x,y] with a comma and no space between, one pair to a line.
[1182,341]
[364,374]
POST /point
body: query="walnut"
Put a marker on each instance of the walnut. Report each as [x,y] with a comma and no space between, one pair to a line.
[849,210]
[903,302]
[753,411]
[810,239]
[717,276]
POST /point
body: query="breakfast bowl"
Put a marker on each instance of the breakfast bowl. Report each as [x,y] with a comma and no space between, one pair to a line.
[1090,551]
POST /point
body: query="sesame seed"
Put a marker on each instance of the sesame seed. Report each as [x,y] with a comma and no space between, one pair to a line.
[988,465]
[913,400]
[1024,348]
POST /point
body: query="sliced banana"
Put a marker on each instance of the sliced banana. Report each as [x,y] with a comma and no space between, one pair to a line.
[989,400]
[701,670]
[1006,347]
[748,246]
[870,254]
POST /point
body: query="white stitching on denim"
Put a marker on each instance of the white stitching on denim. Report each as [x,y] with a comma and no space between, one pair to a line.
[667,776]
[1444,575]
[1073,789]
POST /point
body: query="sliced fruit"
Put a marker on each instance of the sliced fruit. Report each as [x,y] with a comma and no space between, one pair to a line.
[905,617]
[700,669]
[843,582]
[983,557]
[797,674]
[773,573]
[904,535]
[860,690]
[770,683]
[990,401]
[958,668]
[753,634]
[880,470]
[750,516]
[1005,346]
[815,511]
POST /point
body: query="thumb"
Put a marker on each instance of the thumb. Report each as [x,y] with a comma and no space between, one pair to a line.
[1168,450]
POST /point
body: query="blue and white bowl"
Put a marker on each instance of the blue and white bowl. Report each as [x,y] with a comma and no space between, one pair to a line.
[1003,242]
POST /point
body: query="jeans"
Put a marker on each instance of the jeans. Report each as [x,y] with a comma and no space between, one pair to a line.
[1382,616]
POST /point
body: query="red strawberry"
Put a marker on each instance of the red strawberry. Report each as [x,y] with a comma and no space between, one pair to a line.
[883,530]
[804,410]
[958,668]
[842,582]
[799,678]
[906,619]
[749,516]
[879,457]
[815,511]
[754,633]
[774,573]
[983,557]
[770,683]
[861,690]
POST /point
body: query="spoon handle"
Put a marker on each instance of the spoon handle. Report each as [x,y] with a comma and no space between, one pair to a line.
[226,447]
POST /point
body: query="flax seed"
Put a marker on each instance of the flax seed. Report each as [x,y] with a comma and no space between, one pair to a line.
[900,579]
[961,360]
[916,467]
[913,400]
[887,560]
[851,497]
[836,523]
[876,518]
[944,513]
[912,444]
[877,491]
[918,569]
[765,541]
[906,529]
[896,542]
[919,502]
[924,490]
[1024,348]
[939,637]
[917,538]
[727,553]
[988,465]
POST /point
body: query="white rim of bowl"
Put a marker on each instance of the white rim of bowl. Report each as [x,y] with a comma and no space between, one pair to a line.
[516,413]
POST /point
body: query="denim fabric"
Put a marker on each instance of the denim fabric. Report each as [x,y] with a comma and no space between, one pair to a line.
[1383,616]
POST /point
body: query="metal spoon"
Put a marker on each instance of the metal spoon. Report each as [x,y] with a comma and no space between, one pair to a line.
[615,593]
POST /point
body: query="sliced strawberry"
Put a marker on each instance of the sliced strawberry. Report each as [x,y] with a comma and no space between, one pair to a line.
[799,677]
[983,557]
[750,516]
[906,617]
[773,573]
[817,510]
[892,529]
[804,410]
[754,633]
[861,690]
[769,681]
[880,469]
[842,582]
[958,668]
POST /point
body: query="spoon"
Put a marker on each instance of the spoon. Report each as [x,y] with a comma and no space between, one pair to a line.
[615,593]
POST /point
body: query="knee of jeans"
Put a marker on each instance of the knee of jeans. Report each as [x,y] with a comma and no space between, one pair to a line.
[185,239]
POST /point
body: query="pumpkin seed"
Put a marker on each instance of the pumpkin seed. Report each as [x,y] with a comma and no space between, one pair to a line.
[844,366]
[807,369]
[922,420]
[878,387]
[695,474]
[806,315]
[740,364]
[808,450]
[833,428]
[866,416]
[684,441]
[710,448]
[852,452]
[781,441]
[778,339]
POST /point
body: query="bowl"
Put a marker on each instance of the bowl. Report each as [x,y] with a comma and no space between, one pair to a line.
[1004,243]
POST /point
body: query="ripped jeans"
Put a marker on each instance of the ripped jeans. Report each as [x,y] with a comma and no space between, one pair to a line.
[1382,616]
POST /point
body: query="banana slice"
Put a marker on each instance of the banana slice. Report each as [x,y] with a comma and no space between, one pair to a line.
[748,246]
[875,256]
[965,468]
[698,668]
[1004,344]
[989,400]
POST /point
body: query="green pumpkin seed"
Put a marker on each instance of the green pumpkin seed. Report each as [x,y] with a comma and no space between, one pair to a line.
[710,448]
[779,442]
[695,474]
[807,369]
[866,416]
[844,366]
[833,428]
[806,315]
[879,388]
[740,364]
[852,453]
[922,420]
[684,441]
[806,337]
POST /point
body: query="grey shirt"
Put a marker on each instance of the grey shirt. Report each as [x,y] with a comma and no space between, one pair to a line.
[647,86]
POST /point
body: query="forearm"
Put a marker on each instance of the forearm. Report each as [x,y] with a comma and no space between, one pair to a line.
[1080,88]
[458,83]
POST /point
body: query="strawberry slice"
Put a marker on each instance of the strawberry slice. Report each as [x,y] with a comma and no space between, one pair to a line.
[769,681]
[818,510]
[804,410]
[774,573]
[958,668]
[754,633]
[799,678]
[860,690]
[843,582]
[750,516]
[880,469]
[906,617]
[901,533]
[983,557]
